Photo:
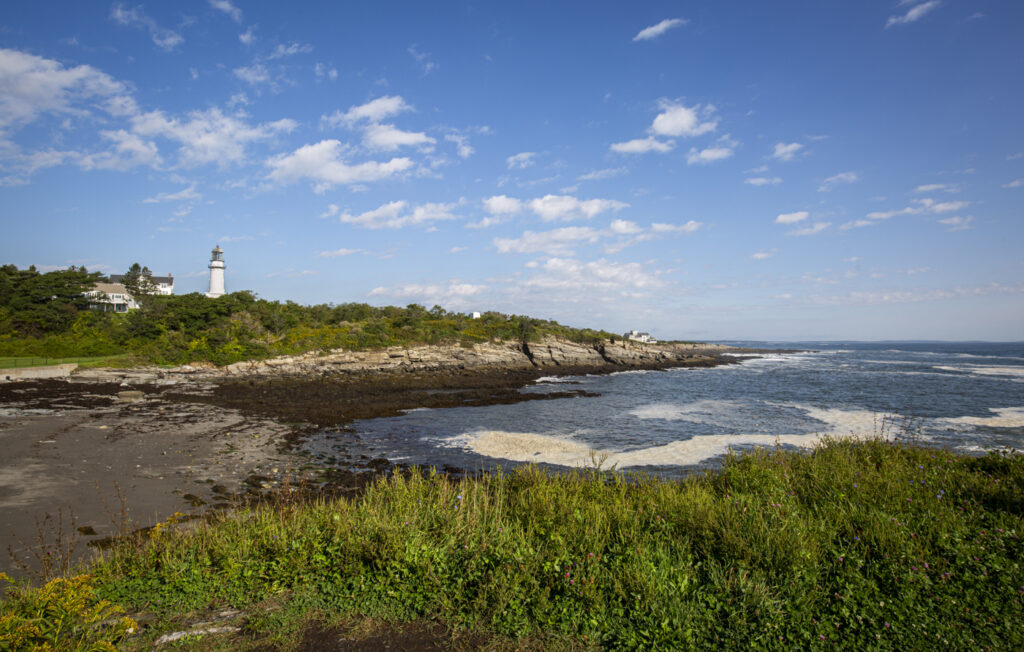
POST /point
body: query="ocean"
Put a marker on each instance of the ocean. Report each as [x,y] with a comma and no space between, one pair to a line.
[964,396]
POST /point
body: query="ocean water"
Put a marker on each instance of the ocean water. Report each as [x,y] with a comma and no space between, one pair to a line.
[963,396]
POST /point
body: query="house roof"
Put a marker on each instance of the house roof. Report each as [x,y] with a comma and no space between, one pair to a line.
[159,280]
[109,288]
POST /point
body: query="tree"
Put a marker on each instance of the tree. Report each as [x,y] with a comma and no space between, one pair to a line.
[138,281]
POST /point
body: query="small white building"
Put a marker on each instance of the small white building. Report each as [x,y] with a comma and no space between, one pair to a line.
[164,284]
[637,336]
[216,273]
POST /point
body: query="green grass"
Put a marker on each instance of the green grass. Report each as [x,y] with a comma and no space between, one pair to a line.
[12,362]
[863,544]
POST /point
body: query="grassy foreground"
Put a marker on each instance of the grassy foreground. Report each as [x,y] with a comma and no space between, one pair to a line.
[864,544]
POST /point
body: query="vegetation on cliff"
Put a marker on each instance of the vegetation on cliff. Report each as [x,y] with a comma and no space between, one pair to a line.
[46,314]
[866,544]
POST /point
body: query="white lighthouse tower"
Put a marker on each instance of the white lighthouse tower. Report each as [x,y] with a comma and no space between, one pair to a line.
[216,273]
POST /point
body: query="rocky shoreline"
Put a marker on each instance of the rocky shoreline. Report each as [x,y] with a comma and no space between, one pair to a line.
[195,438]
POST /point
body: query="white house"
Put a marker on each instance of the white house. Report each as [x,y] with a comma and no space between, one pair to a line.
[114,297]
[637,336]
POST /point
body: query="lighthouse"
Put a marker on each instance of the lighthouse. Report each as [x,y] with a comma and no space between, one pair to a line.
[216,273]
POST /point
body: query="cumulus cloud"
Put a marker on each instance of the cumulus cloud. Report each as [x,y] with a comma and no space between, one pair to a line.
[676,120]
[35,85]
[835,180]
[248,36]
[208,136]
[688,227]
[520,161]
[916,12]
[642,146]
[763,181]
[722,149]
[502,205]
[399,214]
[932,187]
[373,111]
[761,255]
[1016,183]
[654,31]
[786,151]
[556,242]
[599,275]
[323,163]
[228,8]
[462,146]
[566,207]
[165,39]
[792,218]
[254,74]
[389,138]
[455,294]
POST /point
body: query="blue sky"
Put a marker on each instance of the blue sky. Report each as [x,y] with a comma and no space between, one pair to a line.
[784,170]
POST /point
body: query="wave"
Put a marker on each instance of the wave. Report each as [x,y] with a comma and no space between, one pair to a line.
[1008,417]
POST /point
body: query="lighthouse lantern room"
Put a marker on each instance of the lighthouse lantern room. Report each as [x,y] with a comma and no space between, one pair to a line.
[216,273]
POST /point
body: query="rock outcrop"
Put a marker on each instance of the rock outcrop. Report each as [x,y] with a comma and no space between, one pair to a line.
[550,353]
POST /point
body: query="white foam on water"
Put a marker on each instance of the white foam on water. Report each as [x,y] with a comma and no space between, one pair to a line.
[1009,371]
[1009,417]
[564,451]
[419,409]
[696,412]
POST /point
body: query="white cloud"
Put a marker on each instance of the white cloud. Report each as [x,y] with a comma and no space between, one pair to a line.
[913,296]
[339,253]
[624,227]
[676,120]
[842,177]
[786,151]
[654,31]
[455,250]
[915,13]
[932,187]
[484,223]
[722,149]
[455,294]
[323,164]
[556,242]
[34,85]
[817,227]
[688,227]
[254,74]
[228,8]
[642,146]
[852,259]
[606,173]
[291,49]
[373,111]
[957,223]
[423,58]
[332,210]
[914,271]
[1016,183]
[248,36]
[321,70]
[389,138]
[761,255]
[182,195]
[165,39]
[856,224]
[763,181]
[128,151]
[397,214]
[502,205]
[567,207]
[595,276]
[208,136]
[520,161]
[792,218]
[462,146]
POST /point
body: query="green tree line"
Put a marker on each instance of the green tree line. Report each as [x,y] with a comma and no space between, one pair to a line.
[47,314]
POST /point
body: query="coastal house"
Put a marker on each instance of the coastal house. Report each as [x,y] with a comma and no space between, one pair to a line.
[637,336]
[114,297]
